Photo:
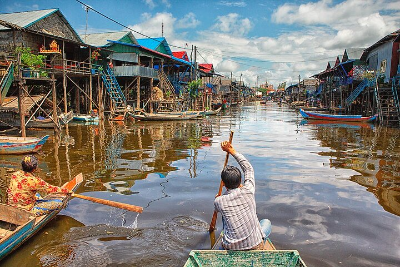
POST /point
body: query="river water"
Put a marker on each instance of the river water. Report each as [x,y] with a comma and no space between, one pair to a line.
[331,191]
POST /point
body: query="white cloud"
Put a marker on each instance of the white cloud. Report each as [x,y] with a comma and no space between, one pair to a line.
[150,3]
[232,24]
[233,4]
[151,25]
[188,21]
[227,66]
[166,3]
[324,29]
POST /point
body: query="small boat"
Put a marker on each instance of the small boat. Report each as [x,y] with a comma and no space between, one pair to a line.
[21,145]
[320,116]
[118,118]
[85,118]
[267,257]
[338,124]
[144,116]
[18,225]
[211,112]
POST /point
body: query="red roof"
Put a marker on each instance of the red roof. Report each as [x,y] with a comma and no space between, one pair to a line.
[181,55]
[206,67]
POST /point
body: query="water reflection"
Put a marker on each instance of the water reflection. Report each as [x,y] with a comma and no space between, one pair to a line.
[323,187]
[374,152]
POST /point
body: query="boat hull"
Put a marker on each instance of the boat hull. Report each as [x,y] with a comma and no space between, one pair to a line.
[85,118]
[330,117]
[12,241]
[21,145]
[143,116]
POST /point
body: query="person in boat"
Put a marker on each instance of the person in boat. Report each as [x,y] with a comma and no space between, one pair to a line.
[242,229]
[23,188]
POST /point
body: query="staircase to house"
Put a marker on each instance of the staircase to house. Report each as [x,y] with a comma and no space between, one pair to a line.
[388,104]
[365,83]
[165,84]
[6,79]
[114,90]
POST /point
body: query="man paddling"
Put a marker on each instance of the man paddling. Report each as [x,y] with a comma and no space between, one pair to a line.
[242,230]
[23,188]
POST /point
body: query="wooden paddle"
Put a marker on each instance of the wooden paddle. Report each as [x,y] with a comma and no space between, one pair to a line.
[111,203]
[221,185]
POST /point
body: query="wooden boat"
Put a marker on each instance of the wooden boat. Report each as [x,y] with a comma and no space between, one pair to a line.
[320,116]
[338,124]
[18,225]
[21,145]
[144,116]
[85,118]
[118,118]
[211,112]
[267,257]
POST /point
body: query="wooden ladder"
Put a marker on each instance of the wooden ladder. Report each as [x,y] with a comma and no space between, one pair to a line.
[165,83]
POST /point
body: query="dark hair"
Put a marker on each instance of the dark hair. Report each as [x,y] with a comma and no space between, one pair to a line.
[29,163]
[231,177]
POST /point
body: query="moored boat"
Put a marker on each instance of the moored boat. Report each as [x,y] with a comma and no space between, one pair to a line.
[331,117]
[18,225]
[144,116]
[85,118]
[21,145]
[211,112]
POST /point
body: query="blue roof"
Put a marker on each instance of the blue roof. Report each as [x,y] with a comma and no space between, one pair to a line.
[154,43]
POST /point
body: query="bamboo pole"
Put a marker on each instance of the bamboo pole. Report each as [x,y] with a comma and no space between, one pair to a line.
[54,93]
[221,185]
[21,109]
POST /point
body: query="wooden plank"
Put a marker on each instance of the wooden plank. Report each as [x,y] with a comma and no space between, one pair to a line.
[13,215]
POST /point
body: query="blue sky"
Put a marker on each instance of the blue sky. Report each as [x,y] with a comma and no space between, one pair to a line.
[272,40]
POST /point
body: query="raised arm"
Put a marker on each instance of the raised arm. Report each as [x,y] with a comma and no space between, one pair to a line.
[248,171]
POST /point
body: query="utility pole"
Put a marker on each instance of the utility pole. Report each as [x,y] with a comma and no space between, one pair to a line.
[195,62]
[298,90]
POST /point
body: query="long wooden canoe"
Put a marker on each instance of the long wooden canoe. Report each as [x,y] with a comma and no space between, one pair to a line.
[144,116]
[85,118]
[211,112]
[21,145]
[331,117]
[18,225]
[267,257]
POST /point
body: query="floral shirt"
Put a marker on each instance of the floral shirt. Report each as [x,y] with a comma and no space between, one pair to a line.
[23,187]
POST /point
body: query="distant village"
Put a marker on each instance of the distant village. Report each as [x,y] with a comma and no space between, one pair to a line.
[49,72]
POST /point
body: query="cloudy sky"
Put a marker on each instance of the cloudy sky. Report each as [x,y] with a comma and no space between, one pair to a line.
[260,40]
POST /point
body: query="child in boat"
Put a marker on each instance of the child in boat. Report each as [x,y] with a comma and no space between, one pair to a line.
[242,229]
[23,188]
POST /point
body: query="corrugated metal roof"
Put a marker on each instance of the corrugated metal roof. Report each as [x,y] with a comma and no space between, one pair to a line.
[101,39]
[127,57]
[181,54]
[154,43]
[354,53]
[27,18]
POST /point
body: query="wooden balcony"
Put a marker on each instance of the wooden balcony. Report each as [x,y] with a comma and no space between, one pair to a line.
[132,71]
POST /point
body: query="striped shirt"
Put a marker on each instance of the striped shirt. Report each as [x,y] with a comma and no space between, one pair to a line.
[242,228]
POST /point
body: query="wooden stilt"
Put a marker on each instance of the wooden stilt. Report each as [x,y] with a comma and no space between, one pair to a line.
[138,93]
[101,107]
[90,81]
[21,108]
[151,88]
[54,93]
[64,81]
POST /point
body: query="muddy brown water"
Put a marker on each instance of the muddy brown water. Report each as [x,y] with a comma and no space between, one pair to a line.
[332,191]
